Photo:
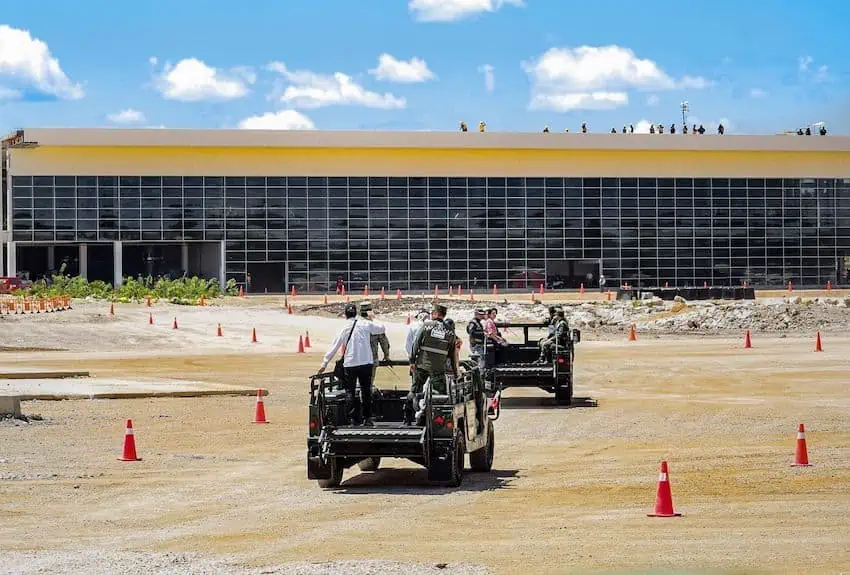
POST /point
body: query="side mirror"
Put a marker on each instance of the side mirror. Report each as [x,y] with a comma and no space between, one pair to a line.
[576,335]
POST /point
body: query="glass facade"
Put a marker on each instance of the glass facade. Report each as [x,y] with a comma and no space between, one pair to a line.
[417,232]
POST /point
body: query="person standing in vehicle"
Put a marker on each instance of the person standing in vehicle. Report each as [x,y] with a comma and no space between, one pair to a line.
[558,338]
[355,336]
[367,314]
[433,345]
[413,329]
[478,338]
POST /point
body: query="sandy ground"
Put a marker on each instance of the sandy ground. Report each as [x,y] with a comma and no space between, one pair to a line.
[569,493]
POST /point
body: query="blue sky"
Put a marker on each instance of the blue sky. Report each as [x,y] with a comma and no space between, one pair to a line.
[759,67]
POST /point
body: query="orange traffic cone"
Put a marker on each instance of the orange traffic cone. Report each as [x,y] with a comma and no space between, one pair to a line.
[202,302]
[632,334]
[218,332]
[666,285]
[241,292]
[459,291]
[254,335]
[260,411]
[451,291]
[801,456]
[790,287]
[307,340]
[818,346]
[471,295]
[383,294]
[704,284]
[747,343]
[326,299]
[300,344]
[828,285]
[148,299]
[365,291]
[150,319]
[664,497]
[129,444]
[289,309]
[581,289]
[174,325]
[541,288]
[292,292]
[495,291]
[398,293]
[408,319]
[112,309]
[343,291]
[608,295]
[436,291]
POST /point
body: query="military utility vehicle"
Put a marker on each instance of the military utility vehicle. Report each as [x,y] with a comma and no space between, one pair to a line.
[515,364]
[455,424]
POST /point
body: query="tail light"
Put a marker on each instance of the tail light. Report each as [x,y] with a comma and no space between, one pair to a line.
[562,360]
[441,421]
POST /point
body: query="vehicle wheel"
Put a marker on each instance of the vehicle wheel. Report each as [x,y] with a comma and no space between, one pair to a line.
[482,460]
[564,393]
[458,460]
[335,478]
[370,464]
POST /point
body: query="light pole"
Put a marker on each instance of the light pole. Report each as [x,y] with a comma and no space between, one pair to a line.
[685,108]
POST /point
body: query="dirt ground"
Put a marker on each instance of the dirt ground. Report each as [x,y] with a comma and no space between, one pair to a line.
[570,489]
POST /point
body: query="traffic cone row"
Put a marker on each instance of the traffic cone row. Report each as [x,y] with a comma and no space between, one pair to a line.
[664,495]
[748,342]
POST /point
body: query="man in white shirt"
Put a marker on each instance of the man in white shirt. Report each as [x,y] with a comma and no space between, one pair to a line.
[355,338]
[413,329]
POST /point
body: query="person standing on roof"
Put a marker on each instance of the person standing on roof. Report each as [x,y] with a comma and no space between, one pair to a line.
[355,336]
[367,314]
[434,344]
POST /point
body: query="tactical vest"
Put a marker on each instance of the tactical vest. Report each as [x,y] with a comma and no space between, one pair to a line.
[476,332]
[437,341]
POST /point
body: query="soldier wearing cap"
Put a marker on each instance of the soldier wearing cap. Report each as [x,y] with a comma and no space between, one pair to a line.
[558,337]
[434,344]
[375,339]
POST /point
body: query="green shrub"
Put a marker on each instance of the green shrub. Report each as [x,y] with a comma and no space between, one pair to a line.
[185,291]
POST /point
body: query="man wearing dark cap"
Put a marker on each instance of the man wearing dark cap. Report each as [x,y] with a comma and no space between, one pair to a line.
[434,344]
[376,339]
[477,337]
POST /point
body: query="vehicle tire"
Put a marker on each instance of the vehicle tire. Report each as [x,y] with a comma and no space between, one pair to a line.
[458,460]
[335,478]
[564,393]
[370,464]
[482,460]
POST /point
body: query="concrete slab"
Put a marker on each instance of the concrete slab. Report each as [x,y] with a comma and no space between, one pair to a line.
[10,405]
[109,388]
[31,373]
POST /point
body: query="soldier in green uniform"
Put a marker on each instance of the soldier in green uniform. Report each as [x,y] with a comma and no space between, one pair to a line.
[375,339]
[434,344]
[559,335]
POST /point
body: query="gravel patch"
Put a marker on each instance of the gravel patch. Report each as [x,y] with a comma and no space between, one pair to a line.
[132,563]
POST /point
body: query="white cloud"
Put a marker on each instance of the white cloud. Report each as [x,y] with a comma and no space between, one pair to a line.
[282,120]
[310,90]
[153,61]
[597,74]
[28,60]
[653,100]
[452,10]
[191,80]
[402,71]
[757,93]
[818,76]
[489,77]
[128,116]
[579,101]
[9,94]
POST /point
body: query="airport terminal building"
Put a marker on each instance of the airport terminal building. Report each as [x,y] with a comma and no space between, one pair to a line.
[412,210]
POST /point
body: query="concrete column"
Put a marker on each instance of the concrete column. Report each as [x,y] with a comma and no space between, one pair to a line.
[84,261]
[51,257]
[222,258]
[11,259]
[118,258]
[184,258]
